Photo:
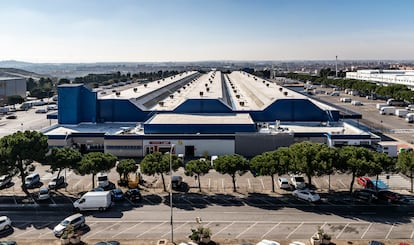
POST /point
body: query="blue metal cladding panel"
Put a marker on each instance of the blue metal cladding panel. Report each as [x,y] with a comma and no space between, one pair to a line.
[291,110]
[115,110]
[203,106]
[198,128]
[88,105]
[68,102]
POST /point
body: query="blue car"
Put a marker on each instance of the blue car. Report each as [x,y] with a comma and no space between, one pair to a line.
[117,195]
[380,185]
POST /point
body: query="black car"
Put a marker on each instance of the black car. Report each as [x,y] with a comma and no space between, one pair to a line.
[133,195]
[177,182]
[108,243]
[388,196]
[8,243]
[368,195]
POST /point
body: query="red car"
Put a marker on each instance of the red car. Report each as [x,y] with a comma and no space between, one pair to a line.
[365,182]
[388,196]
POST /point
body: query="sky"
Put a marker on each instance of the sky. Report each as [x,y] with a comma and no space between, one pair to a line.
[204,30]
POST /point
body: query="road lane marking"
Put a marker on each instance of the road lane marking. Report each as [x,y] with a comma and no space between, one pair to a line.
[389,232]
[270,230]
[223,229]
[294,230]
[248,228]
[151,229]
[175,228]
[130,228]
[340,233]
[370,224]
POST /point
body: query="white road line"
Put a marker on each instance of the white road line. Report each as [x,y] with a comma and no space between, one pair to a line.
[294,230]
[209,184]
[342,183]
[412,235]
[248,228]
[25,232]
[130,228]
[271,230]
[178,227]
[389,232]
[261,180]
[47,231]
[370,224]
[340,233]
[249,184]
[222,184]
[105,228]
[223,228]
[151,229]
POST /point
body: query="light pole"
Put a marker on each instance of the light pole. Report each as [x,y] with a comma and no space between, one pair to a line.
[171,200]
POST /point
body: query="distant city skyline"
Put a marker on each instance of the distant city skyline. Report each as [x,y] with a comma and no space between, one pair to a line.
[195,30]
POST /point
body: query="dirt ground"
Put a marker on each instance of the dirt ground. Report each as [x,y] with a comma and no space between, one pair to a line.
[217,242]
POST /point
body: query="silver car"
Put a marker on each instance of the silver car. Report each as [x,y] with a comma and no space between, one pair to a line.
[76,220]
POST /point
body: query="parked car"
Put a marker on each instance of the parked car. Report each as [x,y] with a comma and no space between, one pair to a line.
[117,195]
[365,182]
[267,242]
[8,242]
[44,193]
[307,195]
[387,196]
[379,185]
[32,180]
[375,243]
[133,194]
[177,182]
[5,223]
[407,200]
[5,180]
[298,181]
[56,182]
[76,220]
[12,116]
[366,195]
[41,110]
[108,243]
[283,183]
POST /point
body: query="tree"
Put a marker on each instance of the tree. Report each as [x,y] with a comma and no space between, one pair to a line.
[62,158]
[95,162]
[405,164]
[158,163]
[231,165]
[356,161]
[270,163]
[328,158]
[305,160]
[19,150]
[125,167]
[380,162]
[14,99]
[197,168]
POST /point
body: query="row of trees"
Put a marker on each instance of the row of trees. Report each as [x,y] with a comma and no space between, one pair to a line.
[19,150]
[395,91]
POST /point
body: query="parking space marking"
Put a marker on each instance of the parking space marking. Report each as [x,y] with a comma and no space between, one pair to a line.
[370,224]
[261,180]
[25,232]
[224,228]
[106,228]
[245,230]
[209,184]
[412,235]
[249,184]
[175,228]
[294,230]
[342,183]
[270,230]
[343,229]
[222,184]
[151,229]
[388,234]
[130,228]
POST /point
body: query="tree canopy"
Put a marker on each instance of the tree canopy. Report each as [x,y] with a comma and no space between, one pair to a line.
[125,167]
[95,162]
[198,168]
[231,165]
[19,150]
[61,158]
[405,164]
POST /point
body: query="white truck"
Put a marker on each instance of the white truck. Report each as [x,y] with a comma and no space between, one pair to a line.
[387,110]
[409,117]
[401,112]
[93,200]
[379,106]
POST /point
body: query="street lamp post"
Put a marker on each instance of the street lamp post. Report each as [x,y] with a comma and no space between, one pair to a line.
[171,200]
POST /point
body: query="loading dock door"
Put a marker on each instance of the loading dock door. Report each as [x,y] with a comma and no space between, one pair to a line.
[189,150]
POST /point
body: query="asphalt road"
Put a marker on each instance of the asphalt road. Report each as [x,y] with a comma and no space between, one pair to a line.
[232,218]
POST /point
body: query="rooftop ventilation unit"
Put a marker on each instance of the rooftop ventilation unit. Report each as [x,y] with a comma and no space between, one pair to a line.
[171,96]
[201,93]
[161,103]
[145,85]
[135,90]
[238,96]
[241,103]
[207,89]
[285,93]
[280,89]
[118,93]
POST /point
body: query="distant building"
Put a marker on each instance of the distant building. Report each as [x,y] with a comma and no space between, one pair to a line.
[403,77]
[11,86]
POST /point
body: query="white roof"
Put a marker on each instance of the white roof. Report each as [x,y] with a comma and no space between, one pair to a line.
[241,118]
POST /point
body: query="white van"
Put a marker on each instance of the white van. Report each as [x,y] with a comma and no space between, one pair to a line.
[32,180]
[94,200]
[387,110]
[345,100]
[102,180]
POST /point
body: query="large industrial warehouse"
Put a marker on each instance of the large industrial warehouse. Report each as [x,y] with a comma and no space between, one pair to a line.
[200,114]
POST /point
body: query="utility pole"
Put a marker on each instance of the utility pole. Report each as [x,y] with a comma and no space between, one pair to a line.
[336,66]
